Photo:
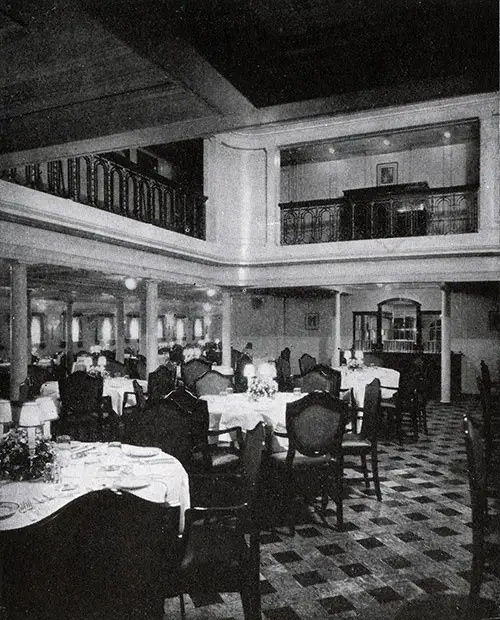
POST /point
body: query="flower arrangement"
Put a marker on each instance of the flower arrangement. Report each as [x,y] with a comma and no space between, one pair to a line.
[95,371]
[15,461]
[354,363]
[260,387]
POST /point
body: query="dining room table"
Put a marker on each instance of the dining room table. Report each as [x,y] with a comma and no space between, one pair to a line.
[239,409]
[82,467]
[114,387]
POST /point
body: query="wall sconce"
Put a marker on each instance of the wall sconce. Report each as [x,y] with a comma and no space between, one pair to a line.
[131,284]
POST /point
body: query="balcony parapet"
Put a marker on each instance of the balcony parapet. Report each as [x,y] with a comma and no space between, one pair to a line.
[409,211]
[113,184]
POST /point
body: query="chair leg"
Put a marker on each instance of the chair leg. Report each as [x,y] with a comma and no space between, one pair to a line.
[376,481]
[183,608]
[339,492]
[365,470]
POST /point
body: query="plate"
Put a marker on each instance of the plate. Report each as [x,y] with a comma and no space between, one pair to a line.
[7,509]
[140,451]
[132,482]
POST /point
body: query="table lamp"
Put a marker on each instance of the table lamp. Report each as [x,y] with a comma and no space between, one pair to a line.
[359,355]
[30,418]
[5,413]
[249,372]
[102,361]
[49,413]
[347,355]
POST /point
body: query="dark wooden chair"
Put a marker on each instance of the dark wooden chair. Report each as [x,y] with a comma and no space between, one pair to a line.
[472,606]
[116,369]
[38,375]
[240,381]
[284,371]
[212,382]
[315,426]
[103,555]
[365,442]
[321,377]
[221,540]
[306,363]
[214,457]
[86,415]
[160,382]
[192,370]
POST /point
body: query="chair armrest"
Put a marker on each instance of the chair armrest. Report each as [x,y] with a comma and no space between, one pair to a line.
[125,398]
[230,429]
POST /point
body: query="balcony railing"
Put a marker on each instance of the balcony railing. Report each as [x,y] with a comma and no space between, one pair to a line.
[113,184]
[399,346]
[443,211]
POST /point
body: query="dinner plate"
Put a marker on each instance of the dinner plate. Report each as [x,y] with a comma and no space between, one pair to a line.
[139,451]
[7,509]
[132,482]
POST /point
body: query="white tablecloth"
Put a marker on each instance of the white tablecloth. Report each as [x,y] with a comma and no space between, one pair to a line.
[115,388]
[163,477]
[238,410]
[359,378]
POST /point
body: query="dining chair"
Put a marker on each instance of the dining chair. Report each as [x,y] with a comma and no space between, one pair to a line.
[85,415]
[215,456]
[321,377]
[306,362]
[315,426]
[212,382]
[130,412]
[221,540]
[38,375]
[104,554]
[116,369]
[364,442]
[192,370]
[240,380]
[167,426]
[470,606]
[160,382]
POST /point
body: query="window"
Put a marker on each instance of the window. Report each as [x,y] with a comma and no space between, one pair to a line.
[36,332]
[180,329]
[198,328]
[76,329]
[160,328]
[106,330]
[133,327]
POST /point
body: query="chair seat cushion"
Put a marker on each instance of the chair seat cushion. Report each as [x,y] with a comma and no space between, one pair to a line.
[279,459]
[224,460]
[355,441]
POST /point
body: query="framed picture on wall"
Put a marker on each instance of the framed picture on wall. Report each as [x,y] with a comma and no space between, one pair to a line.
[312,320]
[387,174]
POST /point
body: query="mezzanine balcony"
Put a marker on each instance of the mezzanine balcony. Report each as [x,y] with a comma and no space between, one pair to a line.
[411,210]
[114,184]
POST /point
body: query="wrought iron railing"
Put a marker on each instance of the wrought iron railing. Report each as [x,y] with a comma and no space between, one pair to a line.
[114,184]
[443,211]
[399,346]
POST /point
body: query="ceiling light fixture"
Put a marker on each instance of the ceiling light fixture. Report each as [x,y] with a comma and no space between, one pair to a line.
[131,284]
[387,142]
[447,134]
[211,292]
[331,150]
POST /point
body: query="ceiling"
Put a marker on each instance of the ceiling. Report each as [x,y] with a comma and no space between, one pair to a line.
[94,75]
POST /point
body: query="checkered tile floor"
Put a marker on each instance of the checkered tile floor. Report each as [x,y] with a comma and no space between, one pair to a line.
[416,541]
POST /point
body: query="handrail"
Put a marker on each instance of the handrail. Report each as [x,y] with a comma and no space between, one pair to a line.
[114,184]
[419,212]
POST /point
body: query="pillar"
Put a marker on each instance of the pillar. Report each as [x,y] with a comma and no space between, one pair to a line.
[142,326]
[151,325]
[120,330]
[445,345]
[68,327]
[226,328]
[336,330]
[19,327]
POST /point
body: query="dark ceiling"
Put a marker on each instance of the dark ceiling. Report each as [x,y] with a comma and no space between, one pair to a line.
[283,51]
[100,75]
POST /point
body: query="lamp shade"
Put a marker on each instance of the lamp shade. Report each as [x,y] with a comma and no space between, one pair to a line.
[359,355]
[30,414]
[102,360]
[5,411]
[347,354]
[48,408]
[249,371]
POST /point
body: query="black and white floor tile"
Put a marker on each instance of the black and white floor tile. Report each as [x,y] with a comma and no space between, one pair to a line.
[417,541]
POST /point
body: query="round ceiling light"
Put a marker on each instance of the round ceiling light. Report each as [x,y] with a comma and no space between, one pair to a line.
[131,284]
[211,292]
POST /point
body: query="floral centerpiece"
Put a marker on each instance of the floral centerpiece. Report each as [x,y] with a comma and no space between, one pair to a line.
[15,461]
[96,371]
[354,364]
[261,387]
